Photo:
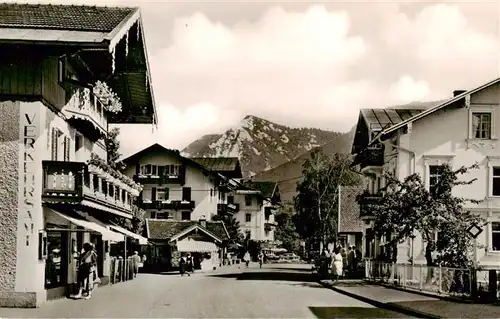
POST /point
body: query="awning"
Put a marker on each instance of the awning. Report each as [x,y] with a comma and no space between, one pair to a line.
[142,240]
[194,246]
[106,233]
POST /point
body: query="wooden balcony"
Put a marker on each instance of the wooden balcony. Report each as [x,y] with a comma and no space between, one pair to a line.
[72,183]
[366,205]
[228,208]
[87,114]
[63,181]
[371,157]
[161,180]
[169,204]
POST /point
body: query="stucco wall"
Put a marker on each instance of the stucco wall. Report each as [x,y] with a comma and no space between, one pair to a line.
[444,137]
[256,225]
[201,187]
[9,173]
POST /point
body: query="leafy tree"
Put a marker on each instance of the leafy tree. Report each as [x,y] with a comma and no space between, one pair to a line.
[113,149]
[232,226]
[136,224]
[317,199]
[407,206]
[286,231]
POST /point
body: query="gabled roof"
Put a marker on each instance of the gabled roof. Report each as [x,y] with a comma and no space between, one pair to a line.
[95,37]
[376,120]
[268,189]
[62,17]
[159,148]
[227,166]
[349,220]
[440,106]
[165,229]
[195,227]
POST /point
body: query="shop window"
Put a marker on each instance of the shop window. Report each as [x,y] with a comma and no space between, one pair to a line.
[186,215]
[54,265]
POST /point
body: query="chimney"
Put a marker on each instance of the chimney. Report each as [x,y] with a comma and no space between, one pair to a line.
[458,92]
[203,221]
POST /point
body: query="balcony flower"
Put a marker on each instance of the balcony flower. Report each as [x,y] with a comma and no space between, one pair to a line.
[107,97]
[101,163]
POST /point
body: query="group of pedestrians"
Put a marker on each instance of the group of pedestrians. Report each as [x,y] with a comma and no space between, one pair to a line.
[341,262]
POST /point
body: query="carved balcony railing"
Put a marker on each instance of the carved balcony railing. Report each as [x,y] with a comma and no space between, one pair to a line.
[63,181]
[371,157]
[168,204]
[87,114]
[367,203]
[179,178]
[75,182]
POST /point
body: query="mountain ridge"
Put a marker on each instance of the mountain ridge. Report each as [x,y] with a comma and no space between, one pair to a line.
[259,143]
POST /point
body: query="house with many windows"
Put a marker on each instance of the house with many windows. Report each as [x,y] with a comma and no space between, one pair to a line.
[460,131]
[66,73]
[180,196]
[258,202]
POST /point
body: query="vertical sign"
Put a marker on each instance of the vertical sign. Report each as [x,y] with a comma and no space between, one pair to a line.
[29,134]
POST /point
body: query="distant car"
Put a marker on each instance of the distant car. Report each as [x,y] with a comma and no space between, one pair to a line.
[289,257]
[272,257]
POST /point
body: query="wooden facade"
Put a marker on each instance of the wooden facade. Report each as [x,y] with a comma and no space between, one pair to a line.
[31,77]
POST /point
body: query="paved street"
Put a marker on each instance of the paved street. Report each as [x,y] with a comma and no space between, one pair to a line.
[276,291]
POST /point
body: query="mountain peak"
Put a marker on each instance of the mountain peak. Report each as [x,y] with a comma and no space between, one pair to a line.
[259,144]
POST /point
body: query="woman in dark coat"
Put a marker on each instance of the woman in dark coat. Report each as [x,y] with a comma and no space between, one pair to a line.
[182,265]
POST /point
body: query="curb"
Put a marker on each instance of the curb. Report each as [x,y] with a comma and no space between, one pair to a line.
[425,294]
[383,305]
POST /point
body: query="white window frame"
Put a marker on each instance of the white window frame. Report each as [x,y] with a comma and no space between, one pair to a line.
[435,160]
[493,161]
[490,233]
[482,109]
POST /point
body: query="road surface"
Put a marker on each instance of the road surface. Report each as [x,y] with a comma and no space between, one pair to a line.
[275,291]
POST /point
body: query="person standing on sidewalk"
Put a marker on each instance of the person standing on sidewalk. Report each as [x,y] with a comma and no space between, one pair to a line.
[337,264]
[136,260]
[88,261]
[246,258]
[261,259]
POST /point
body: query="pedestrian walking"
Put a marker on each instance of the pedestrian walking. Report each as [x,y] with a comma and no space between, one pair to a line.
[261,259]
[246,258]
[182,265]
[337,264]
[86,271]
[136,261]
[190,265]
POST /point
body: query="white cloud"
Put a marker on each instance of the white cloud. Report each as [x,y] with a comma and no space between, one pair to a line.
[407,90]
[307,68]
[176,128]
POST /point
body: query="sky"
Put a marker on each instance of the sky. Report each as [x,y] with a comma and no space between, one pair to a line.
[304,64]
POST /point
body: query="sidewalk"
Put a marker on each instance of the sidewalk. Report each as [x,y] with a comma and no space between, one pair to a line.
[411,303]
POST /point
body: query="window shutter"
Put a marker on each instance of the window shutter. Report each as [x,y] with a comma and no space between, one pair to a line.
[153,193]
[67,142]
[55,136]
